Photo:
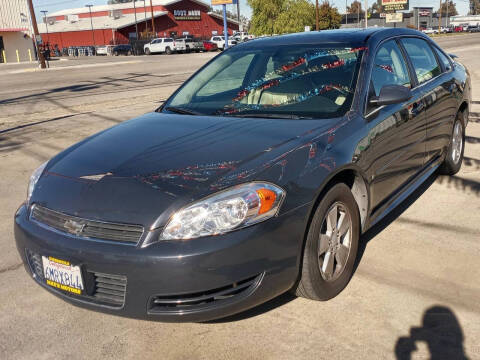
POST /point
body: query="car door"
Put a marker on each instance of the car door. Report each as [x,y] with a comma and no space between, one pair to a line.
[435,78]
[395,144]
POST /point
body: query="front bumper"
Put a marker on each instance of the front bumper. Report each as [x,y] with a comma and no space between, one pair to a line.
[195,280]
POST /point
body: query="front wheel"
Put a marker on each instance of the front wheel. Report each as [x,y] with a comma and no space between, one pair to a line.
[168,51]
[331,246]
[147,51]
[454,157]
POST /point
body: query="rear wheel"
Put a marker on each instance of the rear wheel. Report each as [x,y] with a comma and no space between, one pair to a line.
[331,246]
[454,157]
[115,53]
[168,51]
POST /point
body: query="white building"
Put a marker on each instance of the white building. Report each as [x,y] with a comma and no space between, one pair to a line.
[473,20]
[15,32]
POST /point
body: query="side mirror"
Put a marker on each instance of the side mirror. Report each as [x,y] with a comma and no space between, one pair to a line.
[391,94]
[453,56]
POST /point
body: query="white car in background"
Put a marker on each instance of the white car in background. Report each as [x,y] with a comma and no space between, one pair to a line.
[430,31]
[220,41]
[243,36]
[160,45]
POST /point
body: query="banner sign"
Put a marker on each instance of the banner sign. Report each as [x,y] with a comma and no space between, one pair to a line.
[394,17]
[186,14]
[393,5]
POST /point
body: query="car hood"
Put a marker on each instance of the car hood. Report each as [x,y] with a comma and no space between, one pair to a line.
[141,168]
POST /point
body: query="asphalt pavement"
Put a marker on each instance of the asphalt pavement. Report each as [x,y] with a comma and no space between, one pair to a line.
[415,291]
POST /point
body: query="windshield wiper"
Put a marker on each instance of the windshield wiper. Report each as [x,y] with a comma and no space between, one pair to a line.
[269,116]
[179,110]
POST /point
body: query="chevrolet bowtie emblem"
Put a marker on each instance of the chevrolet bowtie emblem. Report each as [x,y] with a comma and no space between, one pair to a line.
[73,227]
[96,177]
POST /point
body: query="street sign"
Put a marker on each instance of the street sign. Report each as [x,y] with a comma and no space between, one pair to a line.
[39,39]
[393,5]
[394,17]
[223,2]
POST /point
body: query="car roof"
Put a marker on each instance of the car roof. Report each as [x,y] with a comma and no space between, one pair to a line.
[351,35]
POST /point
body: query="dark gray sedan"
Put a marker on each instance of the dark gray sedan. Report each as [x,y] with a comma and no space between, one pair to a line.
[256,177]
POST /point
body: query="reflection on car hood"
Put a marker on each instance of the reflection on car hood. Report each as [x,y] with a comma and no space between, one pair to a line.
[161,159]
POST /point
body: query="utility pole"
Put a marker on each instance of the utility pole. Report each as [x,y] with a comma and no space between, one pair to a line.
[35,33]
[316,15]
[44,12]
[91,23]
[440,17]
[153,20]
[136,25]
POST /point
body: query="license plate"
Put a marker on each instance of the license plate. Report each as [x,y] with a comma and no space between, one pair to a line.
[62,275]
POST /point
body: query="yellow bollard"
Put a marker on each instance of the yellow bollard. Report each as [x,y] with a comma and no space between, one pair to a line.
[18,57]
[4,56]
[30,55]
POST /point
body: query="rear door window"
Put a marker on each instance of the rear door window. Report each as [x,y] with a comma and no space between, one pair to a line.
[444,60]
[422,57]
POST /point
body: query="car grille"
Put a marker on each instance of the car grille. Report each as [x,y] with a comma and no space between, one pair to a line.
[190,302]
[84,228]
[107,290]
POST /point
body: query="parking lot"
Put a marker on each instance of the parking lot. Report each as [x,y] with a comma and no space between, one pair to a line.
[416,287]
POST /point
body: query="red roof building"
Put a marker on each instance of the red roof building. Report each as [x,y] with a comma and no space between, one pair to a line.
[115,23]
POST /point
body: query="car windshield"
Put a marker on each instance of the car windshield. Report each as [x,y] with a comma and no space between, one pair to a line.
[311,81]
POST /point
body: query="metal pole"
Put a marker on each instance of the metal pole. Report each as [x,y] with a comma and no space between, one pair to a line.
[225,27]
[316,15]
[366,13]
[136,25]
[35,32]
[238,14]
[446,19]
[153,20]
[440,17]
[91,23]
[346,13]
[418,19]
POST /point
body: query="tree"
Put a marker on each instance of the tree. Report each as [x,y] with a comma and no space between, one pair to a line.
[264,15]
[355,7]
[329,17]
[474,8]
[376,8]
[295,15]
[452,10]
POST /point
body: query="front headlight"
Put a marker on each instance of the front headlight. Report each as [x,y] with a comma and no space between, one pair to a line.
[228,210]
[33,180]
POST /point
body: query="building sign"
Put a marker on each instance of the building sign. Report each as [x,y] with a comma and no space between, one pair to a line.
[394,17]
[393,5]
[223,2]
[423,12]
[186,14]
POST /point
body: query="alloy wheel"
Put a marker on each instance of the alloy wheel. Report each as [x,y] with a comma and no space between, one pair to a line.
[334,242]
[457,142]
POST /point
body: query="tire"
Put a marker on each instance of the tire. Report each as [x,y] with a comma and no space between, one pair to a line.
[147,51]
[168,51]
[115,53]
[454,157]
[315,283]
[129,53]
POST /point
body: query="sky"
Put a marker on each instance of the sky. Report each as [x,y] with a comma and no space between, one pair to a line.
[55,5]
